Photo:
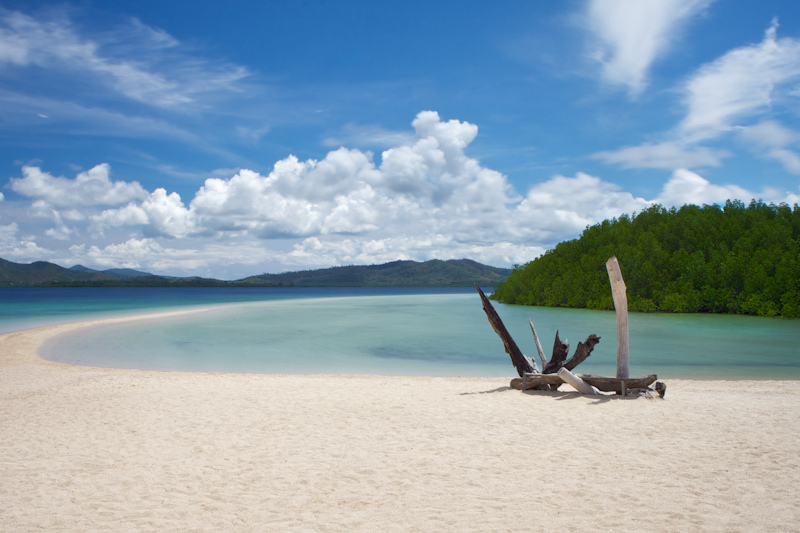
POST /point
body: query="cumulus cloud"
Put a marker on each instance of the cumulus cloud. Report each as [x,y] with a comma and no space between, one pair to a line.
[424,184]
[19,248]
[738,85]
[427,199]
[687,187]
[320,253]
[631,34]
[562,206]
[669,155]
[93,187]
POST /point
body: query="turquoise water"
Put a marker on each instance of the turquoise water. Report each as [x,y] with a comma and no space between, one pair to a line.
[387,332]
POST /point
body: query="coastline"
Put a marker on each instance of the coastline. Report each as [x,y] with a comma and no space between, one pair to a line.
[94,448]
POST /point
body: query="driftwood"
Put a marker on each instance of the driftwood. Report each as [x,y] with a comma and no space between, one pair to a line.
[526,365]
[560,353]
[558,369]
[530,381]
[621,306]
[538,344]
[520,362]
[583,351]
[577,383]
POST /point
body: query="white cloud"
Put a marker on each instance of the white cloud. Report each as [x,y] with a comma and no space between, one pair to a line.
[61,233]
[631,34]
[738,85]
[770,134]
[132,253]
[93,187]
[669,155]
[317,252]
[720,96]
[789,159]
[426,200]
[368,135]
[772,140]
[159,214]
[687,187]
[19,249]
[561,207]
[168,81]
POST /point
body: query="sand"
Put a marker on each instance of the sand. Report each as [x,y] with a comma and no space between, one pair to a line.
[88,449]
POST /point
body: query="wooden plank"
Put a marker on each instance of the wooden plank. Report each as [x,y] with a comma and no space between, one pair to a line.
[618,292]
[577,383]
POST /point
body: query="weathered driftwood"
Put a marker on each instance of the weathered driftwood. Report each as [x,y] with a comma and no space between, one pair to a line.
[577,383]
[538,344]
[583,351]
[604,384]
[615,384]
[530,381]
[621,306]
[558,369]
[560,353]
[520,362]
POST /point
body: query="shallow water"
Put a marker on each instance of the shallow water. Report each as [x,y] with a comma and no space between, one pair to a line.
[400,332]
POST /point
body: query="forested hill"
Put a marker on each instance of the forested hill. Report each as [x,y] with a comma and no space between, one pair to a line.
[433,273]
[732,259]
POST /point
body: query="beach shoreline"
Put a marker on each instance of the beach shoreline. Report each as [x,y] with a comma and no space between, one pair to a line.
[88,448]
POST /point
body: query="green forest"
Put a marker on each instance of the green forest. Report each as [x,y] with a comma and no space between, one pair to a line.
[738,259]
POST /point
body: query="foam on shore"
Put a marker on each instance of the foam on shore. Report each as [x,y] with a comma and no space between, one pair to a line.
[90,449]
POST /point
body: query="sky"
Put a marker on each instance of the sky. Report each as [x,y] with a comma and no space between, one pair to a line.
[228,139]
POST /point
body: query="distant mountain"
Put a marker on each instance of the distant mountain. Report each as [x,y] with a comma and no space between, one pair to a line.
[119,272]
[434,273]
[40,272]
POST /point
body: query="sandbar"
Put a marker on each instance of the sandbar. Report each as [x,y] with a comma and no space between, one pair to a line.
[90,449]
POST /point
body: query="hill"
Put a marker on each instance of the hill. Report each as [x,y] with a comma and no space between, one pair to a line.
[435,273]
[118,272]
[14,274]
[733,259]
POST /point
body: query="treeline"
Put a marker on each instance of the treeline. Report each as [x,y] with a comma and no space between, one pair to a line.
[740,259]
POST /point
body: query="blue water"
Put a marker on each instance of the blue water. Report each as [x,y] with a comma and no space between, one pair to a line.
[436,332]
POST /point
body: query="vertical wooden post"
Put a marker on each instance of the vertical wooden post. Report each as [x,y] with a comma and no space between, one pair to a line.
[621,305]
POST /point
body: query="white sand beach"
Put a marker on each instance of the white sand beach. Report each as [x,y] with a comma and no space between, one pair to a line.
[88,449]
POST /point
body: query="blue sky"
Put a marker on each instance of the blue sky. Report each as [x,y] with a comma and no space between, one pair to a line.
[233,138]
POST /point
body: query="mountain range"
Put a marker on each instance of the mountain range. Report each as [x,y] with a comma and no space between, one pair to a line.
[433,273]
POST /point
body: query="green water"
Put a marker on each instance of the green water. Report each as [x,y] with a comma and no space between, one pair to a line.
[436,334]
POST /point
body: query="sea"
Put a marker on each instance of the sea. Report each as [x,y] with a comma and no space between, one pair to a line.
[382,331]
